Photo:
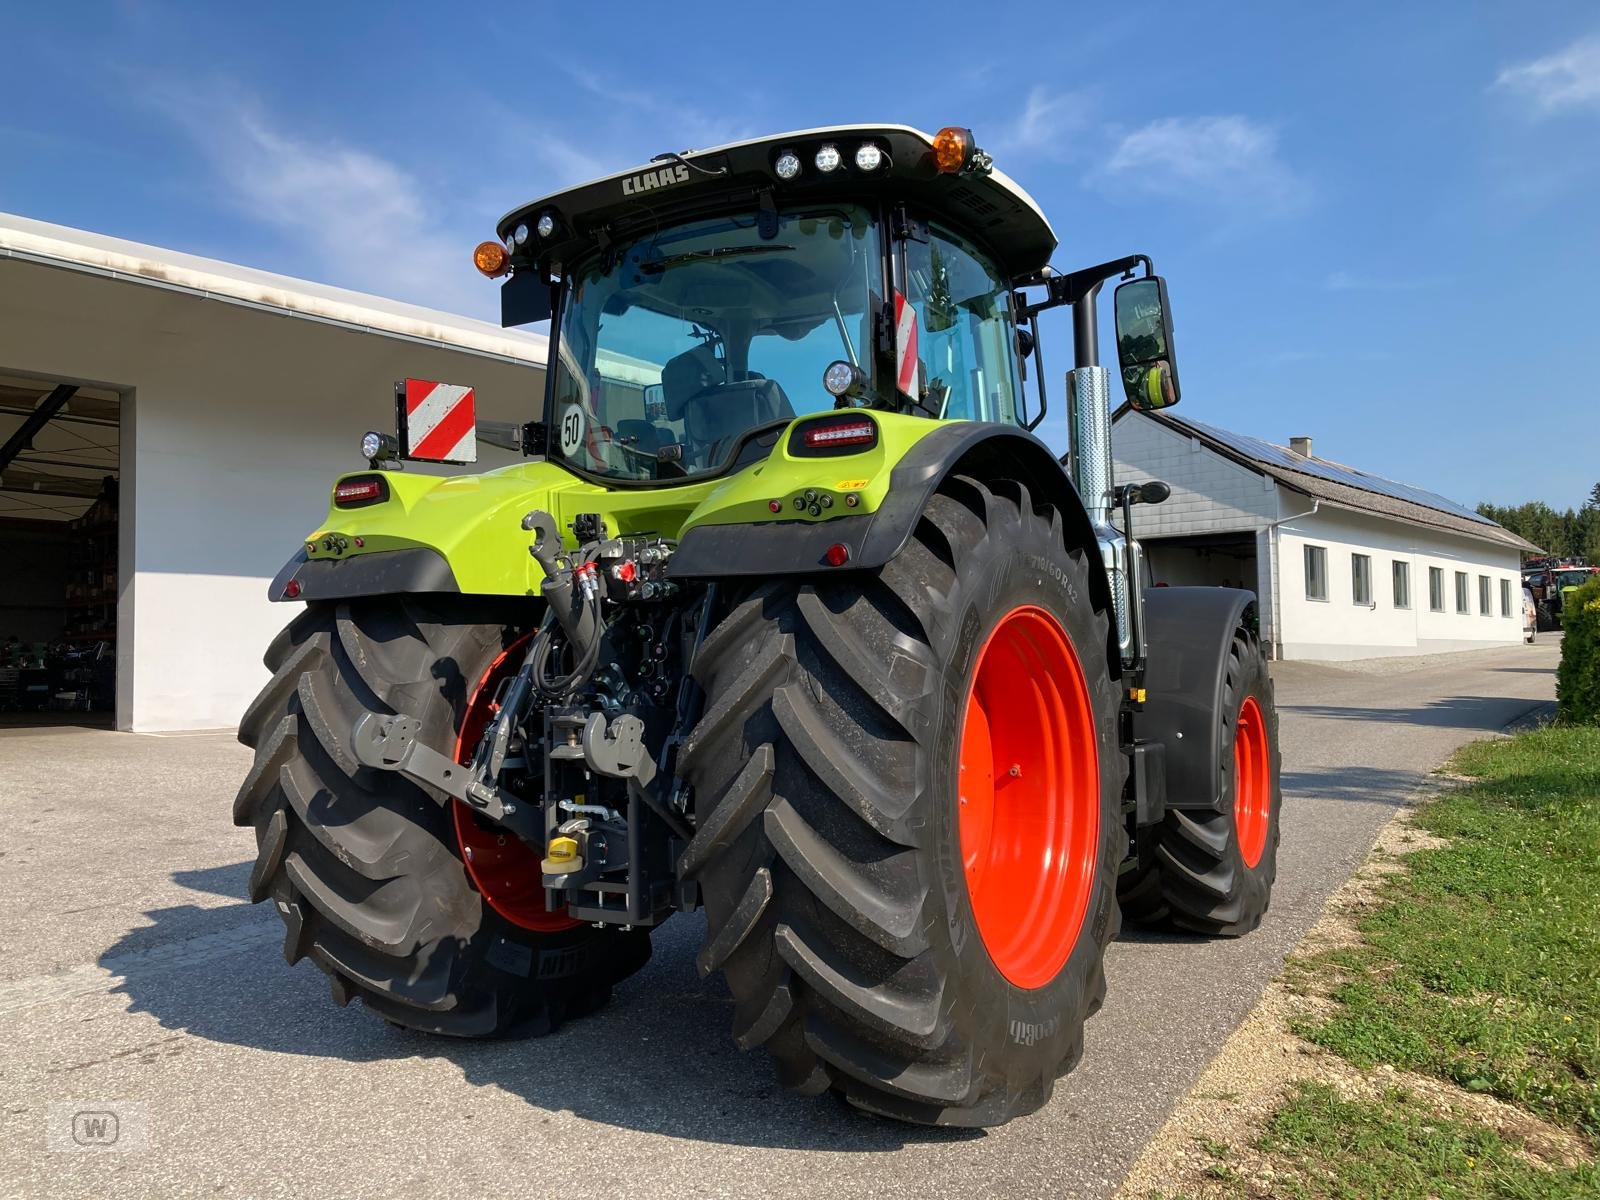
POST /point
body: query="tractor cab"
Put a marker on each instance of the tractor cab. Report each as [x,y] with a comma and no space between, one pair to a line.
[701,304]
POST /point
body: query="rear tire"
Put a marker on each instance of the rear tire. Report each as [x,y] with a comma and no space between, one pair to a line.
[363,865]
[829,848]
[1195,871]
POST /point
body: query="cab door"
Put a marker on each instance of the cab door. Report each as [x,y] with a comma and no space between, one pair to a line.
[966,334]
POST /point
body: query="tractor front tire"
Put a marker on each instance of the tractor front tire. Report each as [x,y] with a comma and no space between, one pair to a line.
[908,791]
[364,866]
[1211,870]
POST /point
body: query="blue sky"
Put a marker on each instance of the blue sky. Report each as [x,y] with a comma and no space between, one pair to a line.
[1378,222]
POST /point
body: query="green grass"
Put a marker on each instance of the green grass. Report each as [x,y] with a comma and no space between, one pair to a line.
[1400,1149]
[1482,960]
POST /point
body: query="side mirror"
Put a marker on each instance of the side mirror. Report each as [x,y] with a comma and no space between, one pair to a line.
[1144,344]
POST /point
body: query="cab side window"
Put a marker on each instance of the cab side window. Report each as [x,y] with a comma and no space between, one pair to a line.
[965,338]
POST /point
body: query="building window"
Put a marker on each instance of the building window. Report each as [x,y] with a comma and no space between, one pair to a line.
[1361,578]
[1316,573]
[1505,597]
[1402,584]
[1436,588]
[1461,593]
[1483,595]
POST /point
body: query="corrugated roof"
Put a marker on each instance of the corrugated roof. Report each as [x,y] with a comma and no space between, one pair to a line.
[96,254]
[1340,485]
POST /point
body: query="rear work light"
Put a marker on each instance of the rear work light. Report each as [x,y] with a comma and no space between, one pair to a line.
[834,435]
[356,493]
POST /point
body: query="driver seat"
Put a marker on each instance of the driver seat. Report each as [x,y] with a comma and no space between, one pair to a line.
[714,412]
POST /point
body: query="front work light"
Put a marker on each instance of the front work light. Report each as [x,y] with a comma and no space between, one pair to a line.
[828,159]
[869,157]
[546,225]
[491,259]
[786,165]
[521,234]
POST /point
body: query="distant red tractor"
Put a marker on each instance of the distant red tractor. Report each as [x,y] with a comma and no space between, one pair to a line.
[1550,579]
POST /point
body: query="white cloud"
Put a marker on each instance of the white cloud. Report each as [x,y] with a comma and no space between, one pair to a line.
[1048,124]
[348,215]
[1567,79]
[1230,160]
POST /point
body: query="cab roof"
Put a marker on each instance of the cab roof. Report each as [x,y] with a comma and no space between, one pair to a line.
[985,204]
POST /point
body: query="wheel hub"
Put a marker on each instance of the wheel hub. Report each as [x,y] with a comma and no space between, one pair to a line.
[1252,782]
[503,867]
[1029,796]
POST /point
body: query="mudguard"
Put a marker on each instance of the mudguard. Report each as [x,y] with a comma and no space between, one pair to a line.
[983,450]
[1189,631]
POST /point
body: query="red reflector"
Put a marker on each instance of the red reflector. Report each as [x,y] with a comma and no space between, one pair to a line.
[358,491]
[826,434]
[775,506]
[291,589]
[837,554]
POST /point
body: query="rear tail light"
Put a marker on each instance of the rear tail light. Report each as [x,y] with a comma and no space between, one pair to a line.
[834,435]
[357,493]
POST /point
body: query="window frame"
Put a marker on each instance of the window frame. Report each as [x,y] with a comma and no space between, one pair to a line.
[1320,554]
[1485,607]
[1463,593]
[1400,582]
[1505,597]
[1361,580]
[1436,575]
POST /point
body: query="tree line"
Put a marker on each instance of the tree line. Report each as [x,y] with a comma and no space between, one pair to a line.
[1576,531]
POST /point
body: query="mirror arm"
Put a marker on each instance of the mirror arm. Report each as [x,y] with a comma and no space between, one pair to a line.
[1080,284]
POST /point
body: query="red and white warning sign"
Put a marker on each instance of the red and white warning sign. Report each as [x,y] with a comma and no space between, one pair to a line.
[441,422]
[905,346]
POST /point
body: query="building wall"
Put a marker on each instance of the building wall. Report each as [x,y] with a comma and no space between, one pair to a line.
[1338,628]
[236,420]
[1210,494]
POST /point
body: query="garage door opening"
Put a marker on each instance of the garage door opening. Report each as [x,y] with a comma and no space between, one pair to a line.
[60,453]
[1213,560]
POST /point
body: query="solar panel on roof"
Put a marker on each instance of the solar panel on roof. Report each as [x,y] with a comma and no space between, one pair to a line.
[1277,456]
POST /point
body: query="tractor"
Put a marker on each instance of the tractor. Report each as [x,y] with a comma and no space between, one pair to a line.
[784,613]
[1552,582]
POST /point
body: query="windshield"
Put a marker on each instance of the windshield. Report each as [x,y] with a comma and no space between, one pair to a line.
[674,346]
[1572,578]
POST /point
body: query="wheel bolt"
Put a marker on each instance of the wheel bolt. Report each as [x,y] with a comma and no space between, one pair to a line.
[1016,771]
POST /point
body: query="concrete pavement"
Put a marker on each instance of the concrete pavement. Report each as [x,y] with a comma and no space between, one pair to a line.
[133,974]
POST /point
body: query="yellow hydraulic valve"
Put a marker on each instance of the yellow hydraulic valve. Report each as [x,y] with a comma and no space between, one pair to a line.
[562,856]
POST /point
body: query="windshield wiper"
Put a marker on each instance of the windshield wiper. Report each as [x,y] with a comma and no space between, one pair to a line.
[665,264]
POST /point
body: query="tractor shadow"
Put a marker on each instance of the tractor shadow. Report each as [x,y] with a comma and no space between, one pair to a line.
[658,1059]
[1486,713]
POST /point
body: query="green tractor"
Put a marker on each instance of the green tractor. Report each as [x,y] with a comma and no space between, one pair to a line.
[787,616]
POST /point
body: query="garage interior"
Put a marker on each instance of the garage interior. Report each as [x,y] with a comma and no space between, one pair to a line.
[60,452]
[1208,560]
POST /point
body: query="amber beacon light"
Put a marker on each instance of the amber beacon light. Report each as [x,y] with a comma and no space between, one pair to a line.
[491,259]
[952,149]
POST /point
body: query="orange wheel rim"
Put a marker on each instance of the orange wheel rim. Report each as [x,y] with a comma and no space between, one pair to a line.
[1029,796]
[503,867]
[1252,782]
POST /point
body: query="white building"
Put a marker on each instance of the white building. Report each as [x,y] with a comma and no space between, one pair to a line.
[1346,564]
[223,401]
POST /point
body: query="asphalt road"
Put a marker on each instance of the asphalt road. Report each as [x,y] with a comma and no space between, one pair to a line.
[134,979]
